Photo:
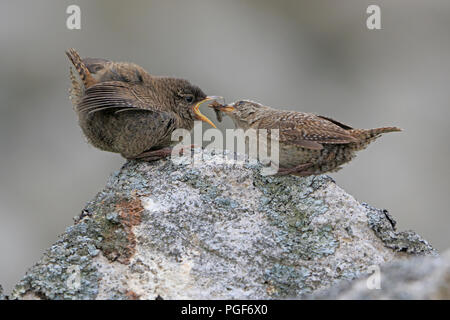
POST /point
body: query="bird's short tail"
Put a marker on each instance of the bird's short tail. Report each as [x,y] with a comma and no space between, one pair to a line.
[81,68]
[371,134]
[378,131]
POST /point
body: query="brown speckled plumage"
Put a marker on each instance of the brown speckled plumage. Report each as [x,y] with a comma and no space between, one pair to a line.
[309,144]
[123,109]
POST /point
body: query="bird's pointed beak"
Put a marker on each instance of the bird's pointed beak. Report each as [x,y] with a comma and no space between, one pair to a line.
[199,115]
[222,107]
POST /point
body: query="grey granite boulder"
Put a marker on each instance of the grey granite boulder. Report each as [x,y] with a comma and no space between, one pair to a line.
[215,229]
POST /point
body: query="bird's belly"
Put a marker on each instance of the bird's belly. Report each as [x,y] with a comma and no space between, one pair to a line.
[330,158]
[292,156]
[289,155]
[129,133]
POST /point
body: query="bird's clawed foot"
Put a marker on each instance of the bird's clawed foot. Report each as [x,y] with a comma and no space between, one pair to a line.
[162,153]
[300,170]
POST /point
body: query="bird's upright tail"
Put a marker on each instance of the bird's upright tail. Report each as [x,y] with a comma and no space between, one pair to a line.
[378,131]
[85,75]
[366,136]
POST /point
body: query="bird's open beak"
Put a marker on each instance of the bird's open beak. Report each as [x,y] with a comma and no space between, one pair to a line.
[199,115]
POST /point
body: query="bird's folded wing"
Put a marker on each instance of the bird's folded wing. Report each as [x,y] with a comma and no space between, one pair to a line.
[308,130]
[339,124]
[117,96]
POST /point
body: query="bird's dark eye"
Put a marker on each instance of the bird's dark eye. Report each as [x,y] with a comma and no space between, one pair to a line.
[189,98]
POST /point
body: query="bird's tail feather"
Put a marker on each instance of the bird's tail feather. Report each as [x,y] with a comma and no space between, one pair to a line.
[365,134]
[81,68]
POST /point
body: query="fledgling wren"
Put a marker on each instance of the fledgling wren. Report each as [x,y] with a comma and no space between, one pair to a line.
[122,108]
[308,144]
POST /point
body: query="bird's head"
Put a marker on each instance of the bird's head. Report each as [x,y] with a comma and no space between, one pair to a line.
[98,67]
[186,99]
[240,110]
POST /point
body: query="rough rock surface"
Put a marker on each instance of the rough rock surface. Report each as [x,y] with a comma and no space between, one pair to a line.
[215,229]
[415,278]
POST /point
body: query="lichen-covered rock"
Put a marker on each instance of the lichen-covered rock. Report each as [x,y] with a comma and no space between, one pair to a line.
[415,278]
[215,229]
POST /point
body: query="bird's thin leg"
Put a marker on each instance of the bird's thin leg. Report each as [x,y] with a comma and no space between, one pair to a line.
[154,154]
[299,170]
[158,154]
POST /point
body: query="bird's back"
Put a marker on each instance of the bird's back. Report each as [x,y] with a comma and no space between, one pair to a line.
[295,125]
[90,71]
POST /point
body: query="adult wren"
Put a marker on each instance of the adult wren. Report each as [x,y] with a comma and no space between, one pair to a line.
[123,109]
[308,144]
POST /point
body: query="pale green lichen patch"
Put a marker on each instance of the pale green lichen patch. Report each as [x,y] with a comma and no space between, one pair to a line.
[66,270]
[290,205]
[287,281]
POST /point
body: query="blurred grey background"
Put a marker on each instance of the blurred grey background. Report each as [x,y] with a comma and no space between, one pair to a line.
[313,56]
